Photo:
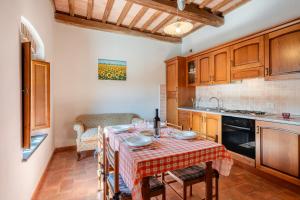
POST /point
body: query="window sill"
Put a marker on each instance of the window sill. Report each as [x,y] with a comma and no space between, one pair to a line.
[36,141]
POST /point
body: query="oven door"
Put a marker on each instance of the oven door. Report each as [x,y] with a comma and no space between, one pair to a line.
[239,139]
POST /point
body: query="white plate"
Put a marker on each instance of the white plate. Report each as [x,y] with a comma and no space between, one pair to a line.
[138,141]
[185,135]
[121,128]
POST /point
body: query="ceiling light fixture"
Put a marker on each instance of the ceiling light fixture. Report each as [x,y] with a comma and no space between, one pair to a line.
[179,28]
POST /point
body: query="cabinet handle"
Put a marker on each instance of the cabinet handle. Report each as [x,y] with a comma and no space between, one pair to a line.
[257,130]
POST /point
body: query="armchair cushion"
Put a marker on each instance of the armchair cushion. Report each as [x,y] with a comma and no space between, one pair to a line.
[90,134]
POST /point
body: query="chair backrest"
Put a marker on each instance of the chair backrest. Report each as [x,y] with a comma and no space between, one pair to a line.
[112,161]
[215,139]
[175,126]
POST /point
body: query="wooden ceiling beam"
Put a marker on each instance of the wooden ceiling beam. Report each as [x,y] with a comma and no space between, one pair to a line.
[220,5]
[162,23]
[71,7]
[151,20]
[204,3]
[98,25]
[191,11]
[107,10]
[138,16]
[124,12]
[90,8]
[242,2]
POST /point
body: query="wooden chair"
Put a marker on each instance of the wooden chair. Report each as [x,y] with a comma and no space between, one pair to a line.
[114,183]
[175,126]
[189,176]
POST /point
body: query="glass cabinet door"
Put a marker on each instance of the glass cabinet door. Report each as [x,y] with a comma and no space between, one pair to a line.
[191,72]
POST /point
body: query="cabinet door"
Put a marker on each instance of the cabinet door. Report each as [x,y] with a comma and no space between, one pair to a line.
[283,52]
[220,66]
[172,104]
[213,126]
[197,122]
[184,119]
[192,72]
[204,72]
[277,147]
[171,73]
[247,59]
[40,95]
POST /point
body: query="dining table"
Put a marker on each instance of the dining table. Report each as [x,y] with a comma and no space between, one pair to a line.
[164,154]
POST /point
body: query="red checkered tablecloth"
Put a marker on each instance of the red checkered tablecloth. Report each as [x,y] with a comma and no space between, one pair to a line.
[168,154]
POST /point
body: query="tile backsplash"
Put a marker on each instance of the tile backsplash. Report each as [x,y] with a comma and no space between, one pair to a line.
[254,94]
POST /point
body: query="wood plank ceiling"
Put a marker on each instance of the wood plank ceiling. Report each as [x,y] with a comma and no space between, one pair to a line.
[142,17]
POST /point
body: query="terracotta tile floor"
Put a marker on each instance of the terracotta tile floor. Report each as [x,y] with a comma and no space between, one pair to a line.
[69,179]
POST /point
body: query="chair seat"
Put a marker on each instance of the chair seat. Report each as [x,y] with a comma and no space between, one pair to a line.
[191,173]
[155,185]
[90,134]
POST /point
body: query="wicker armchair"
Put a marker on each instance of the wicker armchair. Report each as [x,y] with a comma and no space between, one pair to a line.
[86,127]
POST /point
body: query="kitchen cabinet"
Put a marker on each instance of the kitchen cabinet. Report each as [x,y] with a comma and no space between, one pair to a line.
[282,53]
[197,122]
[220,69]
[184,119]
[192,66]
[177,92]
[247,59]
[214,68]
[278,149]
[206,125]
[203,73]
[213,126]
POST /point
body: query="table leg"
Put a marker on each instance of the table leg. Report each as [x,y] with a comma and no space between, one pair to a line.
[145,188]
[208,180]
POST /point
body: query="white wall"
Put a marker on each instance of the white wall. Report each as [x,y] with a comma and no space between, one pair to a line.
[77,89]
[254,16]
[19,179]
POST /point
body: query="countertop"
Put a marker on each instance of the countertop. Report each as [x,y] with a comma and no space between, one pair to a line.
[294,120]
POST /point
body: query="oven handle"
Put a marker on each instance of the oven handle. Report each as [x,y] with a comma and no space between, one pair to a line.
[237,127]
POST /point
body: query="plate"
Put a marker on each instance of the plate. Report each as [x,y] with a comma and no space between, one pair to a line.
[185,135]
[147,132]
[121,128]
[138,141]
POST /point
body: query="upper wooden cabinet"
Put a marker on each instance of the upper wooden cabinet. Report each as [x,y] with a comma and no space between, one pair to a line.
[220,66]
[283,53]
[278,149]
[247,59]
[192,66]
[204,72]
[178,94]
[214,68]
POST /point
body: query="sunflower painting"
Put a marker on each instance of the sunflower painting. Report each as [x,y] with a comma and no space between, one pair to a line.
[112,70]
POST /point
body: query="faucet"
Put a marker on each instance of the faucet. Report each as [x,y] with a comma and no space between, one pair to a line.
[218,100]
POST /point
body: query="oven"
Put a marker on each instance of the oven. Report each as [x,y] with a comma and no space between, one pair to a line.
[238,135]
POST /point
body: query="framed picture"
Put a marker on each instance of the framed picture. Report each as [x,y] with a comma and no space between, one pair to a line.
[112,69]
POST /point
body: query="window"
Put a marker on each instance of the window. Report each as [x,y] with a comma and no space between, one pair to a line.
[35,89]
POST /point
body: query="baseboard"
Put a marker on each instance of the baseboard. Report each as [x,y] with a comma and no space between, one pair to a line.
[42,179]
[67,148]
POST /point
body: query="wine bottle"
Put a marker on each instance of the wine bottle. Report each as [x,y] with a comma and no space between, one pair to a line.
[156,123]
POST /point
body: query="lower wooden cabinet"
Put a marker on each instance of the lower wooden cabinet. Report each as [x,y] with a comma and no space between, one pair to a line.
[278,149]
[184,119]
[206,125]
[213,126]
[196,122]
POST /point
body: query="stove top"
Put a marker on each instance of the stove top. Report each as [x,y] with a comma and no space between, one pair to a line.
[248,112]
